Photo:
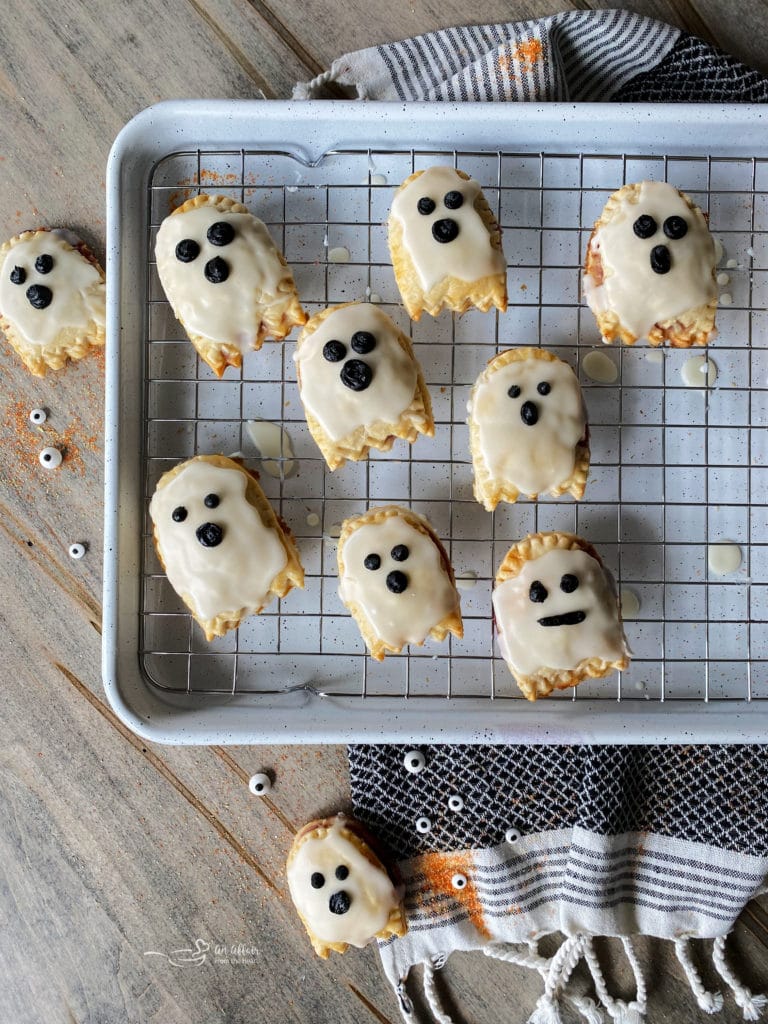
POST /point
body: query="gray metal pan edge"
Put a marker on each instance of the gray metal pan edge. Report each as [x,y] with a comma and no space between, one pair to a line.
[309,130]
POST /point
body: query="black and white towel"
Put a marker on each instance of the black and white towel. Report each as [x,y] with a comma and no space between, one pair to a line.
[500,846]
[576,56]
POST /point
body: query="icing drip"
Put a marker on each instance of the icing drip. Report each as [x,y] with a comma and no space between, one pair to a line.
[76,287]
[338,408]
[630,288]
[364,889]
[541,456]
[229,311]
[397,618]
[234,574]
[469,255]
[527,646]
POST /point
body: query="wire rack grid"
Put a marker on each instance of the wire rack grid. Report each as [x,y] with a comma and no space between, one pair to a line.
[675,469]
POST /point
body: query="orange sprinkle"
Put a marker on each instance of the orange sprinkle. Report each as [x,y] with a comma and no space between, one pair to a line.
[526,54]
[438,869]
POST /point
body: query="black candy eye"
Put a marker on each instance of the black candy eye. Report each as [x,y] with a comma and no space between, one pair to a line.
[216,270]
[372,562]
[544,387]
[661,259]
[453,199]
[44,264]
[334,351]
[317,881]
[179,514]
[569,583]
[645,226]
[537,592]
[425,206]
[342,872]
[220,233]
[187,250]
[211,500]
[397,582]
[363,342]
[445,230]
[400,552]
[675,227]
[356,375]
[18,275]
[39,296]
[514,391]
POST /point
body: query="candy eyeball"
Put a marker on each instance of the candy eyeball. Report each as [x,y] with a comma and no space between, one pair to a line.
[414,762]
[260,784]
[77,550]
[38,416]
[455,803]
[50,458]
[423,825]
[459,881]
[512,835]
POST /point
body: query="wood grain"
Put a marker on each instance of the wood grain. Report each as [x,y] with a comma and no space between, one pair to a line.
[112,848]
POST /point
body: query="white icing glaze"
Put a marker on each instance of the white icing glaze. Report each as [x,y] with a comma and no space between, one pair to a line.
[527,646]
[371,893]
[430,596]
[698,372]
[630,288]
[630,604]
[600,367]
[532,458]
[77,287]
[724,558]
[470,256]
[338,409]
[228,312]
[236,574]
[272,442]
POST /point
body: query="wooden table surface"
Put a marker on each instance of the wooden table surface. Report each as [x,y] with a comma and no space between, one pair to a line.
[111,848]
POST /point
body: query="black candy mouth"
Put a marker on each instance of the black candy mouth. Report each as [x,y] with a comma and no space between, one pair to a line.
[566,619]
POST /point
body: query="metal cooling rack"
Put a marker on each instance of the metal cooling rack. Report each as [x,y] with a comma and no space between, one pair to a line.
[674,469]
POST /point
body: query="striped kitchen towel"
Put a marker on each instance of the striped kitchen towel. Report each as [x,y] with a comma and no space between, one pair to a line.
[576,55]
[499,846]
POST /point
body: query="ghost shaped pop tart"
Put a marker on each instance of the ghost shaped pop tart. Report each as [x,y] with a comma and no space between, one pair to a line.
[51,298]
[650,268]
[360,383]
[340,888]
[396,580]
[557,613]
[446,245]
[527,428]
[224,550]
[225,279]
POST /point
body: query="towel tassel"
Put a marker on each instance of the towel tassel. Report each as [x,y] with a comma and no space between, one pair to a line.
[751,1005]
[709,1002]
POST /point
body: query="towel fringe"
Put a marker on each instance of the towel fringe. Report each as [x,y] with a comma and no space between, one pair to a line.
[709,1002]
[547,1009]
[430,994]
[751,1005]
[618,1010]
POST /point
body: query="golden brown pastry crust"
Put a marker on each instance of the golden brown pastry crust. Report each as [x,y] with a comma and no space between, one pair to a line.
[360,838]
[416,419]
[452,623]
[291,576]
[488,490]
[277,319]
[693,327]
[71,343]
[546,680]
[450,292]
